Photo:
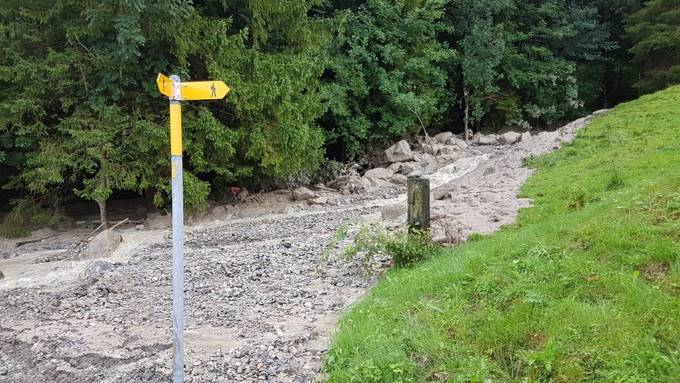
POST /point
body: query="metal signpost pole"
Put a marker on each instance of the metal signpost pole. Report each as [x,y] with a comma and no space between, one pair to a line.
[177,91]
[177,229]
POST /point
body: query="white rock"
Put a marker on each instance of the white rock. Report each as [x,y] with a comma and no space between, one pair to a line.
[398,179]
[510,138]
[526,136]
[317,201]
[443,137]
[482,139]
[433,149]
[449,150]
[303,194]
[379,173]
[103,244]
[399,152]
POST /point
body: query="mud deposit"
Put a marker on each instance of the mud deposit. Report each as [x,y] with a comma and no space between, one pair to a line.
[261,303]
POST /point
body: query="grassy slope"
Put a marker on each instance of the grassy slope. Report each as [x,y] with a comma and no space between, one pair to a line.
[585,287]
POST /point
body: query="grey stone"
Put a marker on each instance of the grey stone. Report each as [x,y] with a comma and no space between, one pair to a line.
[103,244]
[302,194]
[379,173]
[95,269]
[433,149]
[526,136]
[449,150]
[482,139]
[443,137]
[398,179]
[350,183]
[317,201]
[407,167]
[399,152]
[510,138]
[373,182]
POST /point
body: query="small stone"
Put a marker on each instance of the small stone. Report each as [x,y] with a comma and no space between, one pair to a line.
[95,269]
[526,136]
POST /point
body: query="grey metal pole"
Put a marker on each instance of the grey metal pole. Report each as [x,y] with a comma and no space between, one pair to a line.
[177,231]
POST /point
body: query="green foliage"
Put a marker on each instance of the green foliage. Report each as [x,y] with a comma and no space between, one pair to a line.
[387,74]
[565,295]
[80,115]
[411,249]
[405,249]
[654,31]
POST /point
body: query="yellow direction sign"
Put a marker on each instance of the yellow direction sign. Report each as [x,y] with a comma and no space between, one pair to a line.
[204,90]
[164,84]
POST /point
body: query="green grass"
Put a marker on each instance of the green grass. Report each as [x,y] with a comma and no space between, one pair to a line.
[584,288]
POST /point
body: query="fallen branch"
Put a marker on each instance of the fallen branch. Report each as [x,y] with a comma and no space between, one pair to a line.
[90,237]
[18,244]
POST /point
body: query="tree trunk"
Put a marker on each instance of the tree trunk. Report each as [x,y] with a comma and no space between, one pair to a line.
[102,213]
[467,115]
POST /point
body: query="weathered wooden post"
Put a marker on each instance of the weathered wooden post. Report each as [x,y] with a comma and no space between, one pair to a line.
[418,203]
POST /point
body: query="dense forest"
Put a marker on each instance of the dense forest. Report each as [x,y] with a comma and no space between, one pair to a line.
[313,82]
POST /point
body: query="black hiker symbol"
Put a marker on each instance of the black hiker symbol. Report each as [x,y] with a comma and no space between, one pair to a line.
[213,90]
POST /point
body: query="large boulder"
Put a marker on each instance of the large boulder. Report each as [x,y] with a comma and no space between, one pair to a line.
[302,194]
[455,141]
[103,244]
[379,173]
[399,152]
[510,138]
[481,139]
[443,137]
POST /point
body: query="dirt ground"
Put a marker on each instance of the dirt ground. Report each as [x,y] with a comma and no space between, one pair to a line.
[261,300]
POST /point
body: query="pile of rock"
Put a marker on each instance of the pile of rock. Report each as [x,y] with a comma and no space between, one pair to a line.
[508,138]
[420,159]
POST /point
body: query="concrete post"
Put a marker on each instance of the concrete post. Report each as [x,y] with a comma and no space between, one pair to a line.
[418,203]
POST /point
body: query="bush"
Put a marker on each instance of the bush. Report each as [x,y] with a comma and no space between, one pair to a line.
[407,250]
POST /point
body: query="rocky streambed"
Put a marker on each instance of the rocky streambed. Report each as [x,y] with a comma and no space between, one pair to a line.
[262,299]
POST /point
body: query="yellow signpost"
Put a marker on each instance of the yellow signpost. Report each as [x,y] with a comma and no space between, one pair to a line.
[177,91]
